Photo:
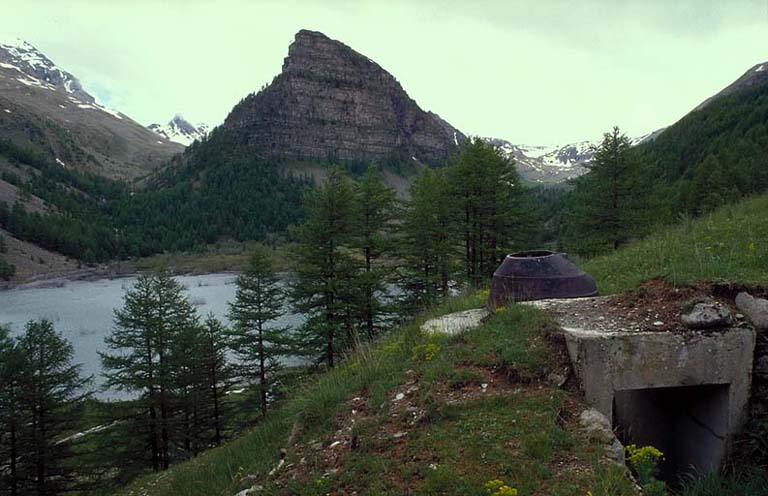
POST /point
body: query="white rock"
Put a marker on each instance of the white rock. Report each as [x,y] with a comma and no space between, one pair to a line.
[455,323]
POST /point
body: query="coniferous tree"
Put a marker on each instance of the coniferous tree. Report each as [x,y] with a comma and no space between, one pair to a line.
[7,270]
[493,219]
[255,339]
[218,377]
[187,389]
[709,188]
[323,289]
[52,402]
[14,470]
[154,315]
[375,210]
[427,248]
[609,202]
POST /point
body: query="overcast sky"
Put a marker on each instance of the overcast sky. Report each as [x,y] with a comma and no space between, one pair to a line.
[535,72]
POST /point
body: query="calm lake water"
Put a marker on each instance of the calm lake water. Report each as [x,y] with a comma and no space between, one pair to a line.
[83,311]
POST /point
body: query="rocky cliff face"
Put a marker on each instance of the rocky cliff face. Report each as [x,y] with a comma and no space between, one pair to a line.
[332,102]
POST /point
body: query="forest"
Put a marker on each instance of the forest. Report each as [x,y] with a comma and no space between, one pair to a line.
[195,380]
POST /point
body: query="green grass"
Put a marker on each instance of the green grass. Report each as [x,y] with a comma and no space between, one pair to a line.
[219,257]
[524,434]
[730,244]
[747,481]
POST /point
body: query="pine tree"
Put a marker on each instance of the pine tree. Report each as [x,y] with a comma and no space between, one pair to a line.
[255,339]
[375,211]
[427,247]
[323,289]
[52,401]
[154,314]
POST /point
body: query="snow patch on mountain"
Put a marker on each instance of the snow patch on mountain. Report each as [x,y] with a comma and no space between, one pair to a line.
[180,130]
[36,70]
[554,163]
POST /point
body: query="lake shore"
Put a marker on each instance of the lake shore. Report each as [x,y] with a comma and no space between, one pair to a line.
[229,257]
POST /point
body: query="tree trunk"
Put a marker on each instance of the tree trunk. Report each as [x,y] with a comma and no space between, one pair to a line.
[262,373]
[14,455]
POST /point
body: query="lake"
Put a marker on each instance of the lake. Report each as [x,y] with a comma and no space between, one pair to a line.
[83,311]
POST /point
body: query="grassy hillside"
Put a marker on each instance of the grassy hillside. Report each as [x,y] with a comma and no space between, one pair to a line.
[419,414]
[730,244]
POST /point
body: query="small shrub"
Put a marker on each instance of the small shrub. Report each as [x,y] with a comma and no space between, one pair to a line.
[497,487]
[424,352]
[644,461]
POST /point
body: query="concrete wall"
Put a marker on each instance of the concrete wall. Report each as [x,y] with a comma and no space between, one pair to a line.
[607,362]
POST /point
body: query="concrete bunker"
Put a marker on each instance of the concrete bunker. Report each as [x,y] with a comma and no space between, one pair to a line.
[689,424]
[684,392]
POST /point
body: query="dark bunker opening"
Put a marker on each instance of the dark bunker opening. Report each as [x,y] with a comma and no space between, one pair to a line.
[688,424]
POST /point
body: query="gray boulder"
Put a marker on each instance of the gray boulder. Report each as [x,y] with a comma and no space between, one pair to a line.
[707,315]
[597,427]
[756,309]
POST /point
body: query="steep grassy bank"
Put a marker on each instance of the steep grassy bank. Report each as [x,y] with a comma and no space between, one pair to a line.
[422,414]
[730,244]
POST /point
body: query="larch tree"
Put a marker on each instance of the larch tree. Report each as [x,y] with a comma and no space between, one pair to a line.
[254,337]
[53,398]
[493,219]
[14,471]
[218,376]
[323,286]
[427,246]
[608,201]
[375,207]
[154,314]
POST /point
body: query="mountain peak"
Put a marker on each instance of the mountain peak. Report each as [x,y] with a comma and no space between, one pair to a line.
[180,130]
[38,70]
[331,101]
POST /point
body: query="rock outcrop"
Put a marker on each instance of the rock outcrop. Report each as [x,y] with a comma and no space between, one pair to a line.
[706,315]
[330,102]
[756,310]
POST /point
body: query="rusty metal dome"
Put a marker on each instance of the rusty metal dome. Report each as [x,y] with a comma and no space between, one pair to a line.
[538,275]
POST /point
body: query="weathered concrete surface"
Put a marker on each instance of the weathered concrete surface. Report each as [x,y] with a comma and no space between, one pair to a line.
[611,359]
[456,323]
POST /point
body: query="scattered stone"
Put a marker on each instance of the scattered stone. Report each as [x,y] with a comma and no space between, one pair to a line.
[557,379]
[616,452]
[251,491]
[334,444]
[756,309]
[596,426]
[456,323]
[277,467]
[317,446]
[398,435]
[658,323]
[399,396]
[707,315]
